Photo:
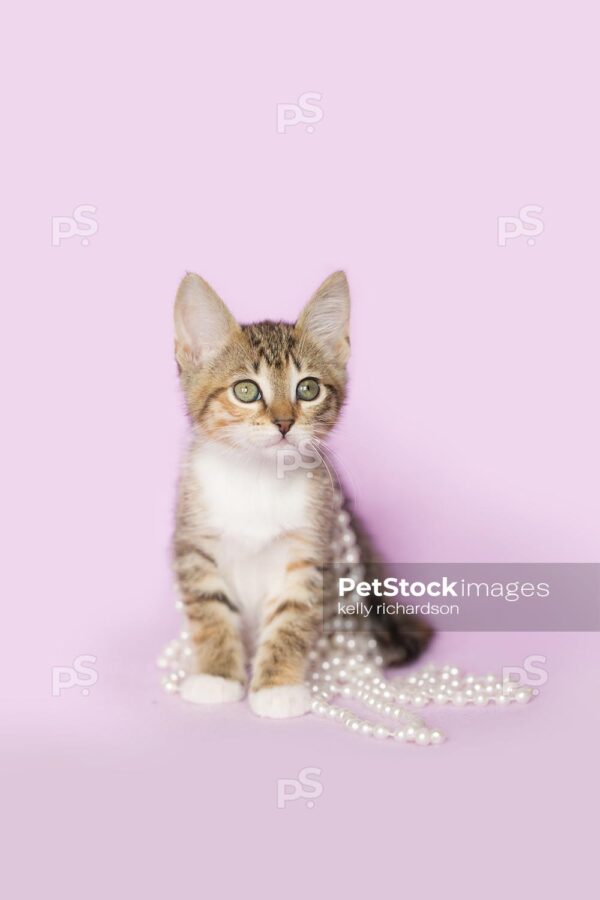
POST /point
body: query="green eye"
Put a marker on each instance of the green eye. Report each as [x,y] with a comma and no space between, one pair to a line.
[247,391]
[308,389]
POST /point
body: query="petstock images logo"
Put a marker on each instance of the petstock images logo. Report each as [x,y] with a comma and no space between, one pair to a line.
[471,596]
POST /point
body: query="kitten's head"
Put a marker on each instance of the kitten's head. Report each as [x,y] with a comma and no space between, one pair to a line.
[258,387]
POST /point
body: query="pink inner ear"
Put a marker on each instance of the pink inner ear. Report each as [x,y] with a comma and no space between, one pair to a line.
[202,321]
[326,323]
[326,316]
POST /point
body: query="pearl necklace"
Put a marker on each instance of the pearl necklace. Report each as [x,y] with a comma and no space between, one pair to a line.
[350,666]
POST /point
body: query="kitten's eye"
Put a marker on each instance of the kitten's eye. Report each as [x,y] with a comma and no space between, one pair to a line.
[308,389]
[247,391]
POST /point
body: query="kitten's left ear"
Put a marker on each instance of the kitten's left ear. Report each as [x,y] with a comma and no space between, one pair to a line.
[326,317]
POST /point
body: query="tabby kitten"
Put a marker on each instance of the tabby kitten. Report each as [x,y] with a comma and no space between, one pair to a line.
[254,512]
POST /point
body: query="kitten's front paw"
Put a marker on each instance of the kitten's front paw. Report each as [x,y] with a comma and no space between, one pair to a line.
[211,689]
[281,702]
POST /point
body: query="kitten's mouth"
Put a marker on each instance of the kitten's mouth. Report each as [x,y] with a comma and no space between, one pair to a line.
[281,440]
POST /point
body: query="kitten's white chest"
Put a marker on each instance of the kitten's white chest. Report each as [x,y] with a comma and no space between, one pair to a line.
[245,501]
[251,510]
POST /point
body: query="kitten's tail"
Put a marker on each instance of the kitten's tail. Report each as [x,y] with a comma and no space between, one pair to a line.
[402,638]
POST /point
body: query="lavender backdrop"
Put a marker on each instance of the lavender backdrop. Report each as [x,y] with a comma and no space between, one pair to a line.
[471,432]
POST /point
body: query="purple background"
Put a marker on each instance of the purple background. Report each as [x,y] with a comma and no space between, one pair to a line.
[471,433]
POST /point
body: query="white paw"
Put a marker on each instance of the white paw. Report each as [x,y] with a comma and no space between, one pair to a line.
[211,689]
[281,702]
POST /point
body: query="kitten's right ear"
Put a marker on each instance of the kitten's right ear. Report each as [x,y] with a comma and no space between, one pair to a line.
[203,324]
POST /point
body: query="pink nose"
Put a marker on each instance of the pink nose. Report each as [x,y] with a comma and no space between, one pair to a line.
[284,425]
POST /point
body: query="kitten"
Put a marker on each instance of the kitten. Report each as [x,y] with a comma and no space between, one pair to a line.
[252,531]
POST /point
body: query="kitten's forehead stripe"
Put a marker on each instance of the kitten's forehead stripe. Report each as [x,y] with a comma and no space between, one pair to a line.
[273,341]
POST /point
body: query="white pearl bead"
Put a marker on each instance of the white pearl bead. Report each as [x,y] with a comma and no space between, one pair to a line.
[366,728]
[523,695]
[380,732]
[436,737]
[423,737]
[400,735]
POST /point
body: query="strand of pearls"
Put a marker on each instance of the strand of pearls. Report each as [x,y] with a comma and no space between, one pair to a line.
[349,667]
[175,660]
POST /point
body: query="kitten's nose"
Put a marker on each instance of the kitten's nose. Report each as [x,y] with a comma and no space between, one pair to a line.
[284,425]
